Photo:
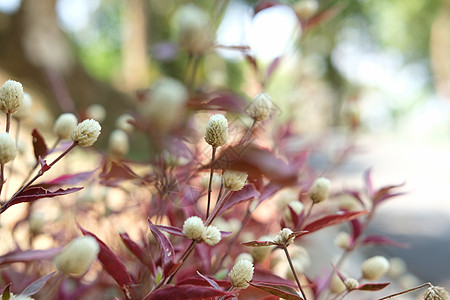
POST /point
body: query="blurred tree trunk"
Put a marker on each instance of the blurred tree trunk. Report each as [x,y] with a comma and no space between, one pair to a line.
[35,51]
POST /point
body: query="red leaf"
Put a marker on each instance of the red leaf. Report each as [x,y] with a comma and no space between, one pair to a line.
[28,255]
[259,244]
[356,228]
[372,286]
[165,247]
[139,252]
[209,280]
[171,229]
[266,276]
[39,146]
[35,286]
[201,282]
[247,193]
[69,179]
[35,193]
[112,264]
[331,220]
[282,291]
[186,291]
[382,240]
[116,170]
[228,102]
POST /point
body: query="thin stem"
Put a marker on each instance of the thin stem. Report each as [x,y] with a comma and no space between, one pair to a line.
[2,177]
[306,216]
[195,63]
[293,272]
[183,258]
[247,134]
[8,122]
[344,295]
[214,149]
[407,291]
[220,203]
[11,165]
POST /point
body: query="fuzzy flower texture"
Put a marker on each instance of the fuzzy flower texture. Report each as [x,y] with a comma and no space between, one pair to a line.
[260,108]
[11,96]
[217,130]
[320,190]
[7,148]
[194,229]
[241,274]
[283,237]
[234,180]
[86,133]
[64,126]
[436,293]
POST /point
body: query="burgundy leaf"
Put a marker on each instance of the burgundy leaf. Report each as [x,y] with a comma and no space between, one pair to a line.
[382,240]
[269,190]
[171,229]
[228,102]
[69,179]
[322,16]
[35,193]
[266,276]
[355,195]
[165,247]
[116,170]
[35,286]
[282,291]
[372,286]
[356,228]
[112,264]
[185,291]
[44,166]
[28,255]
[247,193]
[259,243]
[252,61]
[264,4]
[341,276]
[331,220]
[39,146]
[139,252]
[209,280]
[225,233]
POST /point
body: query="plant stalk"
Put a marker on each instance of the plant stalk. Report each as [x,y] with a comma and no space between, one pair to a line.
[293,272]
[214,149]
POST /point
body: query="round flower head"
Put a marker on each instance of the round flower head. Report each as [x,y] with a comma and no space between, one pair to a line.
[193,28]
[193,228]
[86,133]
[217,130]
[436,293]
[241,273]
[305,9]
[123,123]
[64,126]
[11,96]
[165,106]
[234,180]
[259,109]
[24,110]
[76,258]
[118,142]
[320,190]
[374,267]
[336,284]
[343,240]
[97,112]
[246,256]
[283,237]
[7,148]
[351,283]
[211,235]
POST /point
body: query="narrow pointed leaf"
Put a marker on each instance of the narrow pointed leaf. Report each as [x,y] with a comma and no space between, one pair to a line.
[35,286]
[186,291]
[259,243]
[139,252]
[282,291]
[382,240]
[247,193]
[69,179]
[209,280]
[171,229]
[195,280]
[39,146]
[28,255]
[330,220]
[165,247]
[372,286]
[112,264]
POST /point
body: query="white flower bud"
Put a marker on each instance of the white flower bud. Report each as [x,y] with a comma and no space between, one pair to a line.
[374,267]
[7,148]
[343,240]
[320,190]
[122,123]
[96,112]
[64,126]
[217,130]
[24,110]
[86,133]
[246,256]
[211,235]
[260,108]
[193,228]
[234,180]
[283,237]
[36,222]
[351,283]
[11,96]
[19,297]
[193,28]
[336,284]
[165,106]
[305,9]
[76,258]
[436,293]
[241,273]
[296,206]
[118,142]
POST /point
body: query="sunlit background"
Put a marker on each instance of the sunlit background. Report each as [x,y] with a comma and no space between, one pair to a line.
[379,64]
